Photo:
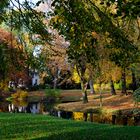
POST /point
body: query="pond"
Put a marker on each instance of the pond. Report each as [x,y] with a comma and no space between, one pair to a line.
[21,106]
[36,106]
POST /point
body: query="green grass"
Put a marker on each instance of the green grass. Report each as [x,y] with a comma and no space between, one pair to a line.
[43,127]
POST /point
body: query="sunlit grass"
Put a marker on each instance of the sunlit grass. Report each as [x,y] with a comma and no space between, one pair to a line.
[28,126]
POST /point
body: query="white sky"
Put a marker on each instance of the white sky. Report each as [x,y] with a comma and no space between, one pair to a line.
[42,7]
[21,1]
[34,1]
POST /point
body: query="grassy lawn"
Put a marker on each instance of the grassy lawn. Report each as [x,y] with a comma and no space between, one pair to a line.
[28,126]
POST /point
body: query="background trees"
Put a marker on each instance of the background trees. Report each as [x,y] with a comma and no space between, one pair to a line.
[103,36]
[11,52]
[77,20]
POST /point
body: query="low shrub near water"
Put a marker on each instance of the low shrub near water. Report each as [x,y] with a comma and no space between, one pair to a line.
[136,96]
[19,98]
[52,97]
[78,116]
[20,95]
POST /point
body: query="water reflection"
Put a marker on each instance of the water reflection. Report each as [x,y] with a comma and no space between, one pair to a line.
[18,106]
[21,106]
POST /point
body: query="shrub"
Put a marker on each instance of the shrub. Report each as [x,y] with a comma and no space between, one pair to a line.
[20,95]
[136,96]
[78,116]
[52,97]
[136,112]
[3,86]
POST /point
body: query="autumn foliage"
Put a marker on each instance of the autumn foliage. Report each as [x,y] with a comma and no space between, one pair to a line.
[12,59]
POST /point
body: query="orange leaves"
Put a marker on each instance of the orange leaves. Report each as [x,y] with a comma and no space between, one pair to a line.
[14,59]
[95,35]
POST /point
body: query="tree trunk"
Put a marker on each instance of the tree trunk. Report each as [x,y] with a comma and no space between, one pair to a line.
[29,82]
[55,83]
[92,91]
[91,117]
[57,73]
[84,91]
[124,82]
[113,92]
[81,72]
[134,83]
[101,101]
[85,115]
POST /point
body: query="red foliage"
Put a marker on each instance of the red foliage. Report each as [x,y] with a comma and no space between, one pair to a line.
[15,55]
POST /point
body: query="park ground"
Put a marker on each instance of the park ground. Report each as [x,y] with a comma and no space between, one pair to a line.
[72,100]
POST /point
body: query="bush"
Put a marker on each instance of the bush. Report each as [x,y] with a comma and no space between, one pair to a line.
[20,95]
[136,96]
[3,86]
[52,97]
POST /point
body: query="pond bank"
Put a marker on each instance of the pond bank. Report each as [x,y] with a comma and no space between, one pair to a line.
[120,117]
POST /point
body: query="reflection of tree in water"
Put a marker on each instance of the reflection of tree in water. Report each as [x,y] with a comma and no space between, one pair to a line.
[4,106]
[18,103]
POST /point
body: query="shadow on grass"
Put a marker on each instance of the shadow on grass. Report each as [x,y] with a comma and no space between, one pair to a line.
[40,127]
[106,133]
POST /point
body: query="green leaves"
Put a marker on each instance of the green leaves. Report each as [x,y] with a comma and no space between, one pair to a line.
[136,95]
[128,8]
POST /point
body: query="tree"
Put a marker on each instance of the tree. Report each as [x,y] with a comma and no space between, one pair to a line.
[11,57]
[81,50]
[70,20]
[57,64]
[122,48]
[3,5]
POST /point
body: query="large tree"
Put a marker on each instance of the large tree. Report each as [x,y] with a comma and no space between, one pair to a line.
[71,22]
[11,57]
[77,20]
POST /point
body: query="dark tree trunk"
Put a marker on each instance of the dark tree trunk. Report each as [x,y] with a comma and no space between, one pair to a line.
[81,72]
[125,120]
[124,82]
[91,117]
[134,83]
[84,91]
[113,92]
[85,116]
[113,119]
[101,101]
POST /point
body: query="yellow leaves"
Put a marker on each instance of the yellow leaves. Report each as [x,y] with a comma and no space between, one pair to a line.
[109,71]
[75,76]
[60,20]
[78,116]
[20,95]
[3,85]
[57,19]
[95,35]
[107,33]
[19,98]
[72,29]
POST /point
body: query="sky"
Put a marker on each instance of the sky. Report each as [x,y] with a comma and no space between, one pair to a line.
[21,1]
[34,1]
[42,7]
